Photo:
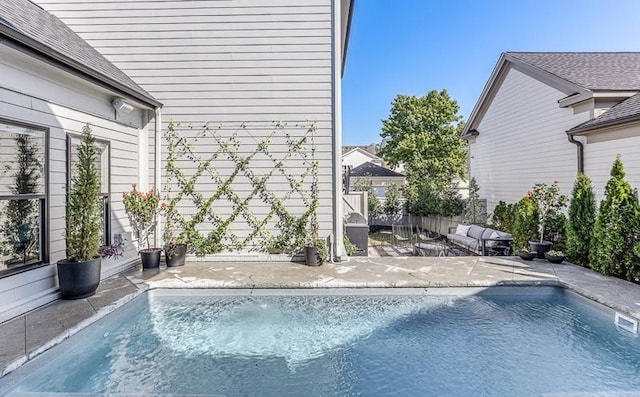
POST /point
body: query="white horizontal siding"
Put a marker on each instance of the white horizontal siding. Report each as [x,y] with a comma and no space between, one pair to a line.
[231,62]
[33,288]
[599,158]
[522,141]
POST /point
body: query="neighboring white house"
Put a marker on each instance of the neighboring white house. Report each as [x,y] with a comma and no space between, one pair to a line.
[355,156]
[543,117]
[239,65]
[240,62]
[52,83]
[379,177]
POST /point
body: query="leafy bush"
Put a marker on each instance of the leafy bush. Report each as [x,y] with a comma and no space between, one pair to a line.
[582,214]
[549,203]
[614,243]
[503,217]
[525,223]
[392,200]
[348,245]
[554,230]
[450,203]
[429,200]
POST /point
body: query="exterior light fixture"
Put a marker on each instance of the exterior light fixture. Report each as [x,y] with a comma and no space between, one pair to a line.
[121,105]
[474,132]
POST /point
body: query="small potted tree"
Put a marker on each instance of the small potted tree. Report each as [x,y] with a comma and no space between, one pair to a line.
[142,209]
[175,244]
[79,273]
[549,202]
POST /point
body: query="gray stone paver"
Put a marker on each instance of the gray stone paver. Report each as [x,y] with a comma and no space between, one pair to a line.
[13,340]
[49,325]
[53,320]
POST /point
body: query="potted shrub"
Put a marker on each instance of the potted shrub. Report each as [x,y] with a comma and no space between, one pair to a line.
[527,255]
[175,245]
[79,272]
[555,256]
[142,209]
[316,252]
[549,202]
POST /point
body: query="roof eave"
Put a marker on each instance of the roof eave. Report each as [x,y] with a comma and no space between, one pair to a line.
[345,44]
[590,128]
[45,53]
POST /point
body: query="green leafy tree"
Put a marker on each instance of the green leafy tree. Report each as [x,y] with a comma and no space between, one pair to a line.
[423,135]
[615,234]
[582,214]
[22,215]
[84,213]
[525,224]
[392,204]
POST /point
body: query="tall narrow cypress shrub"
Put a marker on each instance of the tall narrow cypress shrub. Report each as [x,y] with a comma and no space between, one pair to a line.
[84,219]
[525,224]
[616,228]
[582,215]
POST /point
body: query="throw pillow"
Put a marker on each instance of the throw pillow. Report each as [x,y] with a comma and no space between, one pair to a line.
[462,230]
[492,243]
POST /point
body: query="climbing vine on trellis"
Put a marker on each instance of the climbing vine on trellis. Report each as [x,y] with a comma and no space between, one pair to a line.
[193,167]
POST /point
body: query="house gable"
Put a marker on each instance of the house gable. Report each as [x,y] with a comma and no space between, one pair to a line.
[502,68]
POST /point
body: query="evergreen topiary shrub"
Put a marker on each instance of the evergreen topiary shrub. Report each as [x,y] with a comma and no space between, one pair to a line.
[84,212]
[615,234]
[525,224]
[579,227]
[503,217]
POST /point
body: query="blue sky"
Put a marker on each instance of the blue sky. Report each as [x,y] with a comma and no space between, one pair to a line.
[414,46]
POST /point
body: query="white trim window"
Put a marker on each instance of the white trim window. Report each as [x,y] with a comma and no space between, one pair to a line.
[23,196]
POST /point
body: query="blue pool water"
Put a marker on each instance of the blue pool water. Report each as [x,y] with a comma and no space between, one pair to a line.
[522,342]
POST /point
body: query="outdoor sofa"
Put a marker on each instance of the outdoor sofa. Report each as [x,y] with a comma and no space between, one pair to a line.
[480,240]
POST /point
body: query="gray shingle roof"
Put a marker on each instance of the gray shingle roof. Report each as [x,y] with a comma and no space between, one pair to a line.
[30,25]
[627,110]
[371,169]
[591,70]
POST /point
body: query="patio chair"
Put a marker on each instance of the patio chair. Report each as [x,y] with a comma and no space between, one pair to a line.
[402,235]
[423,235]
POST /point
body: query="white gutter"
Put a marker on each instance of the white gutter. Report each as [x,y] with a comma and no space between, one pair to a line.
[157,171]
[338,245]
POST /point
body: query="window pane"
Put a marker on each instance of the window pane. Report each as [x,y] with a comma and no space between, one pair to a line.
[379,191]
[19,233]
[21,160]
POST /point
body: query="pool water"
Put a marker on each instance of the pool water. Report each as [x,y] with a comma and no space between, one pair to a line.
[500,342]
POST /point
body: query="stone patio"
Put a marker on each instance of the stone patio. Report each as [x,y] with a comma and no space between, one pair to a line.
[24,337]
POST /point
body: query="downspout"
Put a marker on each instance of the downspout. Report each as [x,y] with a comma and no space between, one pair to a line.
[158,169]
[336,74]
[580,148]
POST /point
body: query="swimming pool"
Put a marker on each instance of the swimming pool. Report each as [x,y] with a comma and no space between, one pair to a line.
[520,341]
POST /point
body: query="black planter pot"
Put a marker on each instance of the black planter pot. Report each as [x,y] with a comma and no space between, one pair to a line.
[527,256]
[554,259]
[175,256]
[540,247]
[150,258]
[311,256]
[79,279]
